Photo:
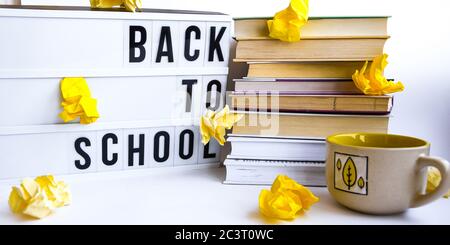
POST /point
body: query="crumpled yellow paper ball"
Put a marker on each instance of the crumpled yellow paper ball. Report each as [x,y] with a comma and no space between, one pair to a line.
[215,124]
[39,197]
[280,205]
[287,23]
[77,101]
[57,191]
[433,180]
[286,199]
[129,5]
[373,81]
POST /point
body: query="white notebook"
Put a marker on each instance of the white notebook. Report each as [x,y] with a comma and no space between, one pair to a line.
[261,172]
[271,148]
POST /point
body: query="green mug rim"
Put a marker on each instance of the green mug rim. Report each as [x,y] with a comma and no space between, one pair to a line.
[332,139]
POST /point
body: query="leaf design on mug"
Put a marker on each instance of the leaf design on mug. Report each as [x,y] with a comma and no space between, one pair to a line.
[339,164]
[361,182]
[349,173]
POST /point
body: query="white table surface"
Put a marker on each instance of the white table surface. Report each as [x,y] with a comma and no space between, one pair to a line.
[187,195]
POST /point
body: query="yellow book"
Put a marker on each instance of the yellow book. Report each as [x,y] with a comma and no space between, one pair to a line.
[339,69]
[310,50]
[307,125]
[354,104]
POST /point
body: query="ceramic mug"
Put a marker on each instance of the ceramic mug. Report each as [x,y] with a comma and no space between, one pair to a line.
[382,173]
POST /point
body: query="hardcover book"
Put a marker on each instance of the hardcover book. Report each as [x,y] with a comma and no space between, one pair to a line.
[318,27]
[308,125]
[360,49]
[303,69]
[297,85]
[308,103]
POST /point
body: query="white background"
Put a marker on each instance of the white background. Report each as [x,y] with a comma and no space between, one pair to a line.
[186,196]
[419,57]
[419,52]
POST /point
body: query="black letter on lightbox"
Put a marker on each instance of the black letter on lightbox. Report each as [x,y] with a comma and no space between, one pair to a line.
[187,44]
[190,144]
[209,95]
[166,137]
[115,157]
[140,149]
[214,43]
[189,83]
[206,153]
[165,37]
[82,153]
[137,45]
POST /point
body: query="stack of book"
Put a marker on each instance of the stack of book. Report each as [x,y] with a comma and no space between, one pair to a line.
[297,94]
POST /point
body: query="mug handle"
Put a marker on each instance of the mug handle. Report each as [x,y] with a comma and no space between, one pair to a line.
[444,168]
